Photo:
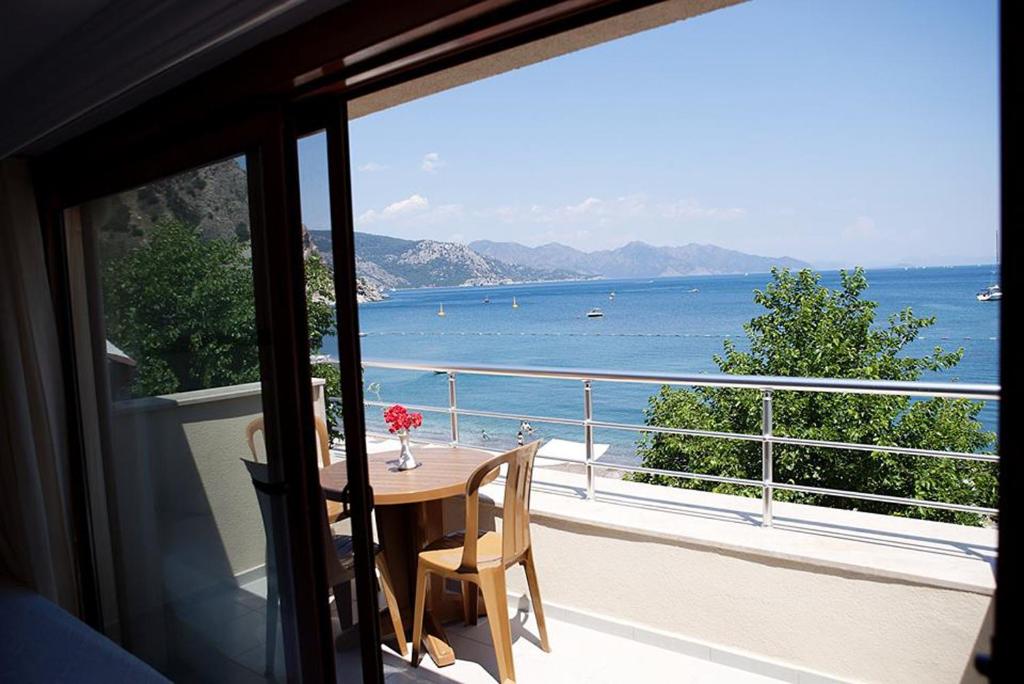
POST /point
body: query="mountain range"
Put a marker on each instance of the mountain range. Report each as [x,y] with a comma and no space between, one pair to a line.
[634,260]
[390,262]
[214,198]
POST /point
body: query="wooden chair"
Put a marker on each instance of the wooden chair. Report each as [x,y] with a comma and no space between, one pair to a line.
[481,559]
[336,510]
[340,568]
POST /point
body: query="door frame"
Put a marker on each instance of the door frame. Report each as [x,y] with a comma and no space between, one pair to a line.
[267,139]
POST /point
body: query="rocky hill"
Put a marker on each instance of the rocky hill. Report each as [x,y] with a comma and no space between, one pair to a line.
[214,198]
[393,262]
[635,260]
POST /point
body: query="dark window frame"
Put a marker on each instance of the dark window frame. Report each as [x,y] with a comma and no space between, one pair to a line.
[333,57]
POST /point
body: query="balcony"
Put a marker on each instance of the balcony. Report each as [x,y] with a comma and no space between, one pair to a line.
[704,587]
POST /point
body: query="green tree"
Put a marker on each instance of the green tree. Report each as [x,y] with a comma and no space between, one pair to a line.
[183,307]
[809,330]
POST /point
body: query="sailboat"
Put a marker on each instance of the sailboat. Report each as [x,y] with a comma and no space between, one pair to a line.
[992,293]
[515,304]
[440,312]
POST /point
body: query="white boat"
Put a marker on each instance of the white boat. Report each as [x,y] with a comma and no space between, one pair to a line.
[992,293]
[595,313]
[611,295]
[440,312]
[515,304]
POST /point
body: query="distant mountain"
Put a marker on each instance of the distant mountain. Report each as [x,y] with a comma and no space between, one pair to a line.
[635,260]
[392,262]
[215,199]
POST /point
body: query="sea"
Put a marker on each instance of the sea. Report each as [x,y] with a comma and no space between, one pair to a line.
[662,325]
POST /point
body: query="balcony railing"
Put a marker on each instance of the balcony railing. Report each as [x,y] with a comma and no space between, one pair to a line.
[766,385]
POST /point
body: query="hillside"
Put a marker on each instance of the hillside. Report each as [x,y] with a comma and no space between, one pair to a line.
[214,198]
[393,262]
[635,260]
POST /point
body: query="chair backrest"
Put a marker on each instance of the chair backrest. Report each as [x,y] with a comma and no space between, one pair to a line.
[515,519]
[323,442]
[260,474]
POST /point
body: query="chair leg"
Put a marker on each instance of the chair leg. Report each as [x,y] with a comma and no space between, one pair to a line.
[389,597]
[343,605]
[492,585]
[538,609]
[470,607]
[417,620]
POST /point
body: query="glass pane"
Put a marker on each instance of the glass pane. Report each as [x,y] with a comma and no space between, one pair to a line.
[171,316]
[323,347]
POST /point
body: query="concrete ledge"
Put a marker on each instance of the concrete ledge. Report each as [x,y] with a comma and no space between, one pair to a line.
[195,397]
[868,545]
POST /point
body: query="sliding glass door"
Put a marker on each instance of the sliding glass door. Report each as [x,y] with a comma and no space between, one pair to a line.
[204,431]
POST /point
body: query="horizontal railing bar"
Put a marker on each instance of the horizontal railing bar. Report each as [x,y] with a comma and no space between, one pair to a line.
[678,473]
[884,498]
[563,459]
[905,451]
[411,407]
[796,441]
[688,432]
[518,416]
[835,385]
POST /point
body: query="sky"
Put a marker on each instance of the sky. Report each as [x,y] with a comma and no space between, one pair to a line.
[840,133]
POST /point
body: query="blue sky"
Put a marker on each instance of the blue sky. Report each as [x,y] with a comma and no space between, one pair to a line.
[836,132]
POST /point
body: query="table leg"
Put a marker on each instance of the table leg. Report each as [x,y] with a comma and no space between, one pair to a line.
[404,530]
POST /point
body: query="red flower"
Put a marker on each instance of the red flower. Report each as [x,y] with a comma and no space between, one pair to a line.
[398,418]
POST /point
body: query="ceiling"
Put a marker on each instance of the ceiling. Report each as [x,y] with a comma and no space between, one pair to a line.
[67,65]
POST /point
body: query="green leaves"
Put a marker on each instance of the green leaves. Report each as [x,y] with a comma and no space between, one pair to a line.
[183,308]
[808,330]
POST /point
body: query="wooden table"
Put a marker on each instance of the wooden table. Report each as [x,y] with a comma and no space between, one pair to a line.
[410,513]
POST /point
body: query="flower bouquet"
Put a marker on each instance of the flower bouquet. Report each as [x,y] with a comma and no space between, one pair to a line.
[400,421]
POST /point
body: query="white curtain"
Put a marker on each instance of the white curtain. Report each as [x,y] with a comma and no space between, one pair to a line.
[35,539]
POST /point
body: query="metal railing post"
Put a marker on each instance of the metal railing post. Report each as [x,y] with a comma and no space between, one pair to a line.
[588,436]
[766,457]
[453,408]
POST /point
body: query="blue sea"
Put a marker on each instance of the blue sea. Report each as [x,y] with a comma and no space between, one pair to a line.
[671,325]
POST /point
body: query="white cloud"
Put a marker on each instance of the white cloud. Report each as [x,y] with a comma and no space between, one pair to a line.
[410,205]
[690,209]
[615,211]
[372,167]
[591,205]
[862,229]
[431,162]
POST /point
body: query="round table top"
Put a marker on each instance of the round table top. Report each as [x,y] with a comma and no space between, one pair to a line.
[443,472]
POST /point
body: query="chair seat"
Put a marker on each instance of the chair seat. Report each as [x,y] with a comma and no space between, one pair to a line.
[336,511]
[446,553]
[345,569]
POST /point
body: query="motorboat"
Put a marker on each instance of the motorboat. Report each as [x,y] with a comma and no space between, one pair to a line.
[595,313]
[992,293]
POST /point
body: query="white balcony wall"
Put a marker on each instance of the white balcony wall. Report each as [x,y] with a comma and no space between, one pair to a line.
[188,511]
[825,595]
